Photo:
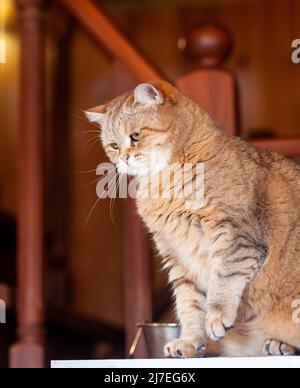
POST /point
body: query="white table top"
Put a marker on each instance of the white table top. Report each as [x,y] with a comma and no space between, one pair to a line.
[267,362]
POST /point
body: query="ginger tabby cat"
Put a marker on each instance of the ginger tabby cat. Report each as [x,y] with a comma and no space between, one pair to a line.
[234,262]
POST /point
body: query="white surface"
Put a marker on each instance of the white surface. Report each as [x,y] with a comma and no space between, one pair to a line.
[268,362]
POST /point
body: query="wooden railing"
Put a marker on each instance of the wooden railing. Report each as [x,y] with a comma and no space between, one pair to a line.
[210,85]
[287,147]
[103,30]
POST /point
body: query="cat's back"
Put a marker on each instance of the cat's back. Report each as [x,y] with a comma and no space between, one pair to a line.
[276,191]
[265,162]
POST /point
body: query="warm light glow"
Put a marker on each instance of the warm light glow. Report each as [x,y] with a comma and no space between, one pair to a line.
[6,8]
[5,12]
[2,51]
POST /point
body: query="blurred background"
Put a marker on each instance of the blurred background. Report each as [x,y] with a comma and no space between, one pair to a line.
[84,263]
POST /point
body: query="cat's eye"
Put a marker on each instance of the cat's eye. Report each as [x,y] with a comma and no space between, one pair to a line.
[115,146]
[136,136]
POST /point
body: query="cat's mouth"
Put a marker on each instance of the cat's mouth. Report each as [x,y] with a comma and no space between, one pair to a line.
[133,167]
[152,162]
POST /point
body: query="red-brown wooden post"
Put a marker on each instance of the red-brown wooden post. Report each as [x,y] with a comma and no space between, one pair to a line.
[137,276]
[28,352]
[58,210]
[210,85]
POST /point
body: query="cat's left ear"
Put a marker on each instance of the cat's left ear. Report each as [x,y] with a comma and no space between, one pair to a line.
[147,94]
[97,115]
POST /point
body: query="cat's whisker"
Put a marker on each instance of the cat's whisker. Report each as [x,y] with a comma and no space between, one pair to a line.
[86,172]
[97,142]
[110,184]
[120,179]
[95,181]
[92,139]
[95,171]
[107,188]
[96,203]
[99,179]
[112,202]
[91,211]
[88,121]
[85,133]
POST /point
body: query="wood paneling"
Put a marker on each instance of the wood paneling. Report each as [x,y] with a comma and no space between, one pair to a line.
[96,247]
[289,147]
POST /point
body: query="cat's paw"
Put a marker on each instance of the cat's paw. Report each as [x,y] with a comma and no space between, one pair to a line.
[181,348]
[278,348]
[218,323]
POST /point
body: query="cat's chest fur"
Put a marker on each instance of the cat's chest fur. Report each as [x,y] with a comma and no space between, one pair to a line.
[178,234]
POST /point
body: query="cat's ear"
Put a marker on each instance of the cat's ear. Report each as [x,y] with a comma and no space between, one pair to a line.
[97,115]
[94,117]
[147,94]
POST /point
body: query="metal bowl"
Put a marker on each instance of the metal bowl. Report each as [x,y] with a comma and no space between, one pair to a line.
[157,335]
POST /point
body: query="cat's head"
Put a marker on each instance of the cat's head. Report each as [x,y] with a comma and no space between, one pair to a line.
[137,128]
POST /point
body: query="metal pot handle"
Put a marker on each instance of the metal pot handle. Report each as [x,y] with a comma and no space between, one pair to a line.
[135,342]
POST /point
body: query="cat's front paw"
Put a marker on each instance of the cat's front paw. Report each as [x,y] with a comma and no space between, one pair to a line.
[218,323]
[181,348]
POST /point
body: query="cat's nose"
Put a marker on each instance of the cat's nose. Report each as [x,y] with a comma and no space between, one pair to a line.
[124,153]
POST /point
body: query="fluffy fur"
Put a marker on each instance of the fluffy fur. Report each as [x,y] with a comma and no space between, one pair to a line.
[234,263]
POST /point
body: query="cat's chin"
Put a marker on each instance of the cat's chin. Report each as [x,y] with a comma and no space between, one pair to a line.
[133,170]
[136,173]
[157,161]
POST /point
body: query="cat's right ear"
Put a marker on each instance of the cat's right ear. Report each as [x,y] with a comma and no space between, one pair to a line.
[147,94]
[97,115]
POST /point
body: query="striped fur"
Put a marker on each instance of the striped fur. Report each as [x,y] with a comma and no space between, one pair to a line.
[234,264]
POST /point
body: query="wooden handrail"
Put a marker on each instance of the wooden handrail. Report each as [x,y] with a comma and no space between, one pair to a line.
[103,30]
[287,147]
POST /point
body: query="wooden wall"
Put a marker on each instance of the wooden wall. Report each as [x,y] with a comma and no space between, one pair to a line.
[96,253]
[269,93]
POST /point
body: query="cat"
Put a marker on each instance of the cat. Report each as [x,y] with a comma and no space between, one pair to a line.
[234,261]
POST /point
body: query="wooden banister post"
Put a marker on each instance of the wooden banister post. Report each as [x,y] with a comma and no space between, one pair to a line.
[28,352]
[137,276]
[58,211]
[210,85]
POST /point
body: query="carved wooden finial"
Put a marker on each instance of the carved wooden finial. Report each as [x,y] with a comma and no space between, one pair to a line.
[208,44]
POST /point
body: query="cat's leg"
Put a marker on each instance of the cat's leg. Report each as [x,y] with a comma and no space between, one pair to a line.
[191,312]
[278,348]
[234,265]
